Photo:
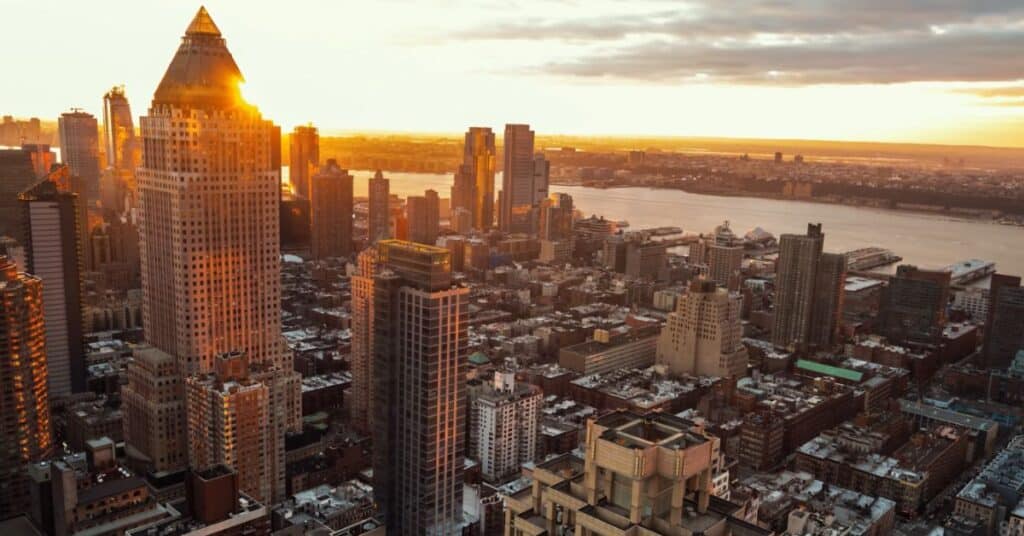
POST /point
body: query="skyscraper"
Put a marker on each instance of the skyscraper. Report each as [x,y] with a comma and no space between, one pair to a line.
[118,130]
[419,343]
[25,430]
[913,306]
[424,217]
[379,215]
[331,212]
[52,253]
[541,178]
[211,275]
[555,228]
[1004,327]
[474,181]
[703,336]
[18,174]
[80,148]
[518,193]
[118,187]
[829,295]
[304,155]
[209,221]
[724,261]
[808,291]
[362,340]
[556,218]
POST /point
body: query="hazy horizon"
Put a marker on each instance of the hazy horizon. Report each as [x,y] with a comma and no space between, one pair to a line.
[821,72]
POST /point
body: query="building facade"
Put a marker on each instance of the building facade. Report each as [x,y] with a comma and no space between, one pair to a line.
[210,247]
[362,283]
[122,151]
[703,336]
[419,356]
[424,215]
[331,212]
[1005,323]
[53,254]
[503,422]
[25,428]
[154,411]
[518,191]
[231,421]
[913,306]
[379,215]
[808,292]
[641,474]
[304,154]
[474,181]
[80,149]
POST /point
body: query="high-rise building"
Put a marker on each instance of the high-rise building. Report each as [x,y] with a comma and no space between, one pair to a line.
[829,296]
[423,213]
[913,306]
[153,406]
[25,430]
[541,178]
[209,218]
[331,212]
[556,217]
[703,336]
[123,154]
[379,214]
[1004,327]
[70,184]
[419,405]
[360,413]
[304,154]
[641,258]
[808,291]
[232,421]
[119,130]
[724,261]
[555,228]
[503,421]
[19,173]
[474,181]
[518,193]
[80,149]
[52,253]
[211,274]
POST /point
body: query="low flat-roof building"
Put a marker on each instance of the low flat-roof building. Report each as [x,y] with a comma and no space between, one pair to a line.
[603,354]
[997,491]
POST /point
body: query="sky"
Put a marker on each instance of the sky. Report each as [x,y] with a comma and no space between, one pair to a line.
[931,71]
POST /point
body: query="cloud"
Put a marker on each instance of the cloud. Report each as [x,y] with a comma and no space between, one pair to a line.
[1009,96]
[786,41]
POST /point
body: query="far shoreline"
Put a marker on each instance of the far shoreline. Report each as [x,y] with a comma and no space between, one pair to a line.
[936,211]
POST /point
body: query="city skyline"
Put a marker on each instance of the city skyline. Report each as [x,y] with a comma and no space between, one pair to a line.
[206,332]
[772,74]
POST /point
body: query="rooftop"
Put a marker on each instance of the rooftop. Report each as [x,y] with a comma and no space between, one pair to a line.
[945,415]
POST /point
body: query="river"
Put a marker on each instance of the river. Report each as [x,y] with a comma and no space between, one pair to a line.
[927,240]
